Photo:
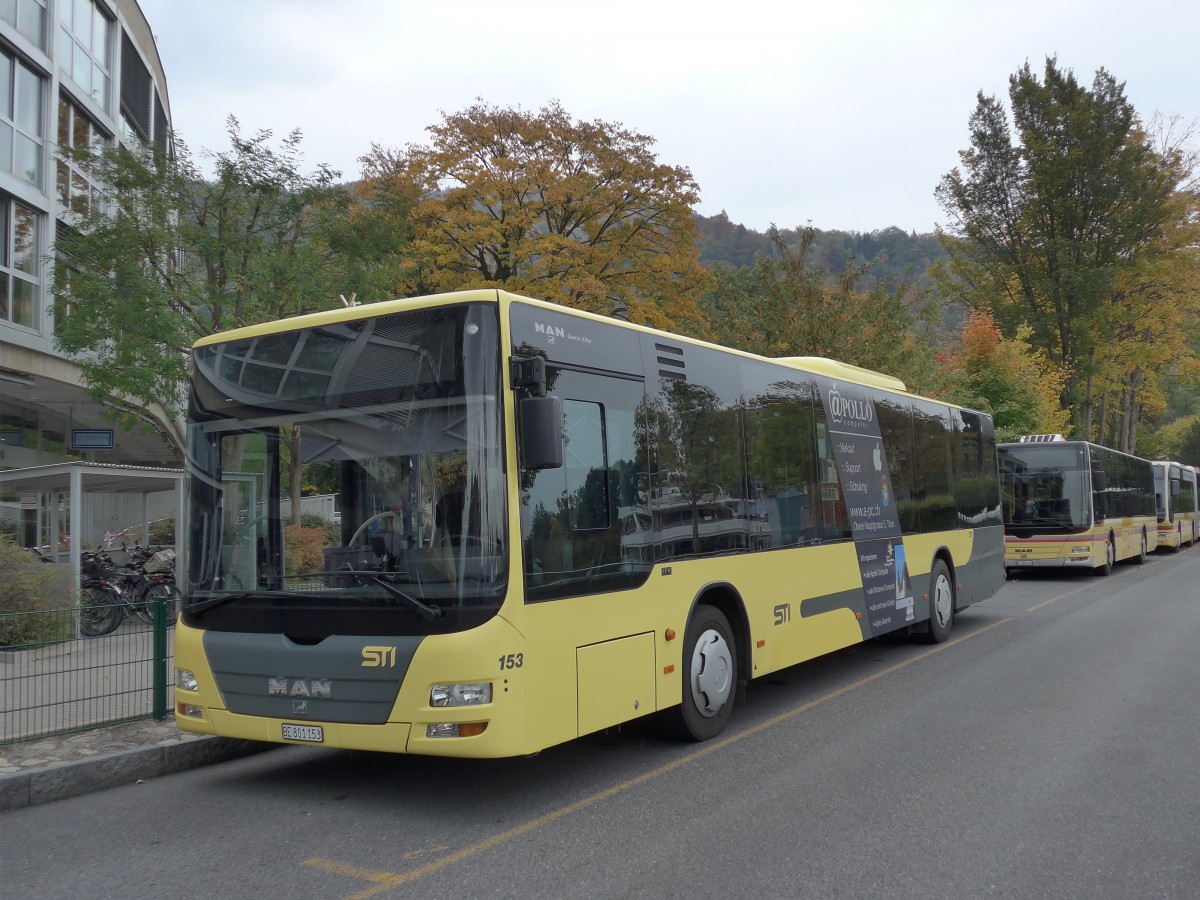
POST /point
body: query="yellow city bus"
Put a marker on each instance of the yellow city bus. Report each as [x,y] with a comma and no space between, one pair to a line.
[1074,504]
[549,523]
[1175,502]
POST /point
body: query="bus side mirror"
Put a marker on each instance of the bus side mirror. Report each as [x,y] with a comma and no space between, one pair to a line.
[541,432]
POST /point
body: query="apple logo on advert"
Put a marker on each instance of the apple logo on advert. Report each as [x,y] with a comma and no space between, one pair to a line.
[878,458]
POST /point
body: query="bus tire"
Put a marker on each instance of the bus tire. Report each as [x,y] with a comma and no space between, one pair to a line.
[1110,556]
[1141,557]
[941,604]
[709,676]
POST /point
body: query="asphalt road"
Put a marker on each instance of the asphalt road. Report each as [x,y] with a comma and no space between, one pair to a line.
[1048,750]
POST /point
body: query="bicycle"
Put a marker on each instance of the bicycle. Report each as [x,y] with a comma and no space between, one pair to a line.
[109,593]
[101,597]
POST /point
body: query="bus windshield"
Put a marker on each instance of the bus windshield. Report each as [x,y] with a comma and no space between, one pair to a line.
[386,433]
[1046,488]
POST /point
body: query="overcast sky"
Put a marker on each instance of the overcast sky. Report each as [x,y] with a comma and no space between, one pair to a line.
[840,114]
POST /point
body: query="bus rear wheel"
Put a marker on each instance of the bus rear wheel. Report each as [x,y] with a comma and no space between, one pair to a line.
[1110,556]
[709,676]
[1145,549]
[941,604]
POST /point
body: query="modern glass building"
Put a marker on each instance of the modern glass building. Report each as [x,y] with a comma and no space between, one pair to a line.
[72,72]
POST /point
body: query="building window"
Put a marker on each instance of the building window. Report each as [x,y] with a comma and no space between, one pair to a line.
[20,120]
[20,269]
[28,17]
[136,91]
[77,190]
[85,47]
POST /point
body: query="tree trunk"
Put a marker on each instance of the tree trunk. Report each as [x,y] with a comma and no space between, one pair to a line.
[1087,412]
[1133,412]
[1126,405]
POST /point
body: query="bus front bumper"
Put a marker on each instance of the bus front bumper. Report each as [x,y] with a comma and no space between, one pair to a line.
[1081,554]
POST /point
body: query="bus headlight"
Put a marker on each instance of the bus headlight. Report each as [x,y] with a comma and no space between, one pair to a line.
[460,694]
[186,681]
[1084,549]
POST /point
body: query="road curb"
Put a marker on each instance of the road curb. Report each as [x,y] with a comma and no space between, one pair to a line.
[59,781]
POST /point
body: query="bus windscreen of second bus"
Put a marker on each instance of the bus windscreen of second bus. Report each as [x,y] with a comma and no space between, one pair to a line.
[1047,487]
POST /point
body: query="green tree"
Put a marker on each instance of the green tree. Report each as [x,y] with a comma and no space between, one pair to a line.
[580,213]
[785,305]
[1189,444]
[167,257]
[1050,221]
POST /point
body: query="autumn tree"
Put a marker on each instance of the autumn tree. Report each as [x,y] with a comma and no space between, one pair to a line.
[579,213]
[1018,385]
[786,305]
[1055,212]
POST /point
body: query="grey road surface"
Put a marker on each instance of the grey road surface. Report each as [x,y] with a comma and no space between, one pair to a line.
[1049,750]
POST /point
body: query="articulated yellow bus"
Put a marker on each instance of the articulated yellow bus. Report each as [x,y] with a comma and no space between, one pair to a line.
[1073,504]
[1175,499]
[548,523]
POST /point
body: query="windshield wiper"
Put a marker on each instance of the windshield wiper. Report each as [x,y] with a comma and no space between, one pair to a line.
[214,602]
[427,610]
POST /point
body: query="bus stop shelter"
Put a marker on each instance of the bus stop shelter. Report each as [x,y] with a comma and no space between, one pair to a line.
[43,485]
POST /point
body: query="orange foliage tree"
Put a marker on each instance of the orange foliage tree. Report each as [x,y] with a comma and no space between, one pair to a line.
[1019,386]
[580,213]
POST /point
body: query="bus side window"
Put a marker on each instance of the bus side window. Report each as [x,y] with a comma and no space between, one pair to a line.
[835,520]
[933,486]
[577,520]
[896,429]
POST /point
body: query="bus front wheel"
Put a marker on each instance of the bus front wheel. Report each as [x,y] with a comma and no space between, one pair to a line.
[709,676]
[941,604]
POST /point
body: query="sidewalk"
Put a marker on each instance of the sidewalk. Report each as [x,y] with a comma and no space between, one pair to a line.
[83,683]
[54,768]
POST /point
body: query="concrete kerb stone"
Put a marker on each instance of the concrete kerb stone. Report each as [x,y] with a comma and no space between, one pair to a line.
[59,781]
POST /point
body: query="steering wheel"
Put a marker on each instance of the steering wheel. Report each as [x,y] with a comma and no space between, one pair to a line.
[353,542]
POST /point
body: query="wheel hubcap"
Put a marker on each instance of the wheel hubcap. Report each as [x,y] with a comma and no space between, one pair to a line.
[943,601]
[712,673]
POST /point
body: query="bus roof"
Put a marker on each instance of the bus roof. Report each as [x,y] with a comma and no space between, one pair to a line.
[345,314]
[818,365]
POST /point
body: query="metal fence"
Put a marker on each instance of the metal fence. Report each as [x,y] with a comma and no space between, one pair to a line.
[60,682]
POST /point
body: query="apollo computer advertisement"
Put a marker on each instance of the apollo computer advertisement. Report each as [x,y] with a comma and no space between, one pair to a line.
[853,431]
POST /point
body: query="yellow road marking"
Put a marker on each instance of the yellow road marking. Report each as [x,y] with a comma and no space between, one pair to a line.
[387,880]
[383,880]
